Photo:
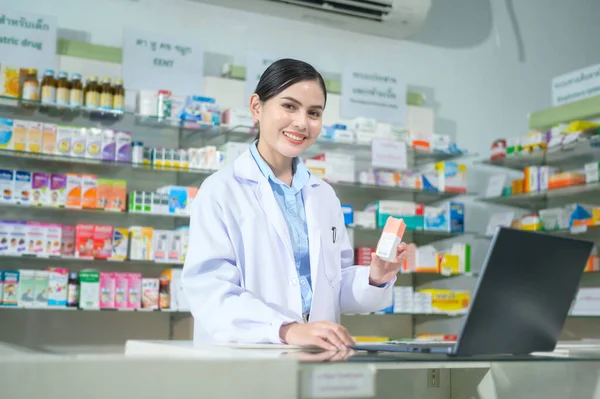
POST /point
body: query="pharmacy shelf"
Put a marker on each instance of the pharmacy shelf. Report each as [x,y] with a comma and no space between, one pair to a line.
[109,215]
[568,156]
[583,193]
[582,232]
[126,121]
[440,235]
[91,261]
[73,309]
[421,196]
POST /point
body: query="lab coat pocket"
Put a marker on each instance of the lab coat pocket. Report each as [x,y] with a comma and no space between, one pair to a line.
[331,261]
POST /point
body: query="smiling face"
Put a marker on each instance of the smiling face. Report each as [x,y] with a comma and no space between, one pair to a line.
[291,121]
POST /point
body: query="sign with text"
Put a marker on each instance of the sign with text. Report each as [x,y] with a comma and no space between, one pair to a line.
[27,40]
[381,96]
[576,85]
[152,61]
[388,154]
[256,63]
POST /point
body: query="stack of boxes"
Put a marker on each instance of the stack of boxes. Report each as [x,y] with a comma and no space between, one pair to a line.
[168,200]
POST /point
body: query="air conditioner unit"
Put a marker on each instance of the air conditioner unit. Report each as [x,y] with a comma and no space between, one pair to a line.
[396,19]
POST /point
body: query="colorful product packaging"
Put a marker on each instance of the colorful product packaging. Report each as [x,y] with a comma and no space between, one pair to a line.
[89,289]
[20,132]
[17,238]
[103,236]
[42,278]
[84,240]
[67,241]
[109,145]
[4,237]
[161,245]
[74,189]
[79,143]
[58,190]
[26,288]
[134,290]
[35,137]
[40,189]
[141,239]
[94,144]
[446,177]
[103,193]
[7,186]
[118,196]
[22,187]
[58,280]
[121,290]
[36,239]
[64,139]
[120,244]
[53,239]
[49,138]
[89,189]
[10,288]
[390,238]
[150,297]
[107,290]
[6,134]
[123,153]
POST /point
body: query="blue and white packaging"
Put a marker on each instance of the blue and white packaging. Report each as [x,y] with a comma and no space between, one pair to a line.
[337,133]
[348,211]
[448,218]
[22,193]
[7,186]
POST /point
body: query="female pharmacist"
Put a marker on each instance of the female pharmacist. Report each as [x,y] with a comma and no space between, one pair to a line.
[269,260]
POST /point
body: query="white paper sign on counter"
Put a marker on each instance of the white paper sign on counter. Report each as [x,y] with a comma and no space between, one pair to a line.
[377,95]
[503,219]
[256,64]
[27,40]
[388,154]
[339,381]
[153,61]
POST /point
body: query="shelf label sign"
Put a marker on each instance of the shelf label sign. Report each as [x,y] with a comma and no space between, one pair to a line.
[27,40]
[388,154]
[576,85]
[256,64]
[154,61]
[377,95]
[339,381]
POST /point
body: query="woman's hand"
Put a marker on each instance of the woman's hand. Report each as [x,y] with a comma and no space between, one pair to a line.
[322,334]
[382,271]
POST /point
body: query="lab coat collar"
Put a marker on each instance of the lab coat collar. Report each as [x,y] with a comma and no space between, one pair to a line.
[245,167]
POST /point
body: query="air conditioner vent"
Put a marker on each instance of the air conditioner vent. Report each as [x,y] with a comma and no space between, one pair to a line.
[373,10]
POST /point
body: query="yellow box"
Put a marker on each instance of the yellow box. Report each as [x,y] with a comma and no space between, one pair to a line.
[34,138]
[9,81]
[448,301]
[449,264]
[20,133]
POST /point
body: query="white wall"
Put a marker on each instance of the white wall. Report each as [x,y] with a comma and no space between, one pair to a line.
[480,92]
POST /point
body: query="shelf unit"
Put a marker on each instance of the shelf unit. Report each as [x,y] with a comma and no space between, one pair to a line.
[572,156]
[164,133]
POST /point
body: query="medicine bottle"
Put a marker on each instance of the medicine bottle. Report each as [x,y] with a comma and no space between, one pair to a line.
[76,94]
[73,290]
[31,86]
[164,294]
[92,93]
[119,96]
[106,94]
[63,88]
[48,87]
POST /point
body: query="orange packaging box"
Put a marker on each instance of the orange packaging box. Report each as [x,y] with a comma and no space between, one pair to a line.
[34,139]
[390,238]
[103,193]
[118,196]
[89,189]
[103,241]
[593,264]
[73,190]
[49,139]
[84,240]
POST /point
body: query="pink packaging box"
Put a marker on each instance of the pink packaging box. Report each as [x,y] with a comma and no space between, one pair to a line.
[134,296]
[53,239]
[36,239]
[67,241]
[107,290]
[121,290]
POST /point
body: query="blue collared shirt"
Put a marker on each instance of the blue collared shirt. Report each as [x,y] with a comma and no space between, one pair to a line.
[291,204]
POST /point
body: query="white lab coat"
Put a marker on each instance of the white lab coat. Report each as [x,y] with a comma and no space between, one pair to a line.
[239,275]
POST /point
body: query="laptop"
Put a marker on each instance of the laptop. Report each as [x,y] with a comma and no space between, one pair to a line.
[521,300]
